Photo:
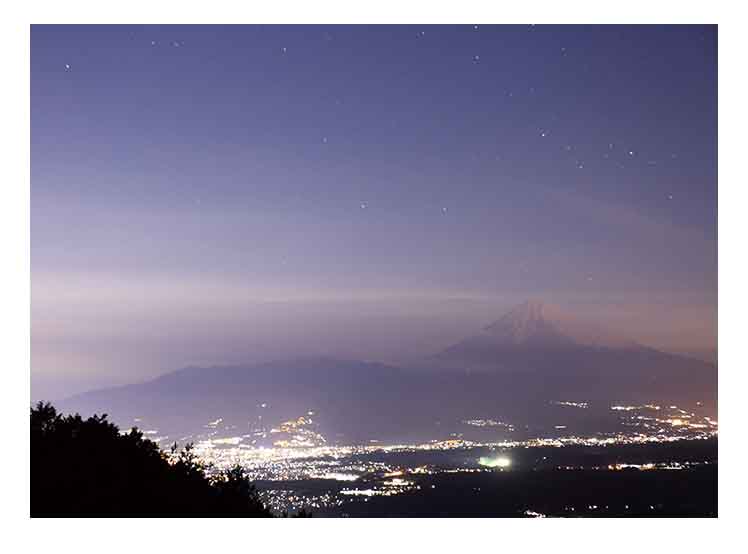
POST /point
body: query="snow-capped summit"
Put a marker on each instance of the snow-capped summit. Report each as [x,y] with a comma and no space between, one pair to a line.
[536,323]
[533,333]
[531,321]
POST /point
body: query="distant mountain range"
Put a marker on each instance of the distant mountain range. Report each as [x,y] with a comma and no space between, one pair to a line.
[533,354]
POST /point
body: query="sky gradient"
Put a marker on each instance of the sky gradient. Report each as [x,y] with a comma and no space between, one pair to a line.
[212,195]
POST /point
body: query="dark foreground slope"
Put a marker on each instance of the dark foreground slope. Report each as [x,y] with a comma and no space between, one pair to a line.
[87,468]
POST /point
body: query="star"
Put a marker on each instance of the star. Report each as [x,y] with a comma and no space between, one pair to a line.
[476,59]
[324,140]
[475,27]
[363,205]
[67,67]
[669,196]
[284,49]
[631,152]
[153,43]
[542,133]
[444,210]
[580,165]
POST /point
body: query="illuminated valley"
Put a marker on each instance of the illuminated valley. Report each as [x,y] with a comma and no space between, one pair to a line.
[295,466]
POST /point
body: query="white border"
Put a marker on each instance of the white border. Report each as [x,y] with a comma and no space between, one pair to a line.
[368,535]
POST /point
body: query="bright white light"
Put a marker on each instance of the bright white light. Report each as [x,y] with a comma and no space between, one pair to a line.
[501,462]
[340,476]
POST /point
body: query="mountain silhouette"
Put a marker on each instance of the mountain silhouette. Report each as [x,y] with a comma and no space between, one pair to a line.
[536,323]
[533,354]
[540,350]
[533,328]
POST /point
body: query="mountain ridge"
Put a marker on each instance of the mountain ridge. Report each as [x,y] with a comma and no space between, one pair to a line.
[528,357]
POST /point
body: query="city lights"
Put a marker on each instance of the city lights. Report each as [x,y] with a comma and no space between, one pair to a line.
[501,462]
[295,450]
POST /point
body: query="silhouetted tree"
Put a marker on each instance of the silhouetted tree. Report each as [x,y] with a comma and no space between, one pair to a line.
[88,468]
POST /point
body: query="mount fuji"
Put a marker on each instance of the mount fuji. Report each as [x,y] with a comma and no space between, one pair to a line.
[535,353]
[539,347]
[534,327]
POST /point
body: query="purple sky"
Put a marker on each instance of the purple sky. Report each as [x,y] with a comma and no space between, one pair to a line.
[211,195]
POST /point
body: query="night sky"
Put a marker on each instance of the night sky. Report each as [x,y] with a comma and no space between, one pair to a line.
[211,195]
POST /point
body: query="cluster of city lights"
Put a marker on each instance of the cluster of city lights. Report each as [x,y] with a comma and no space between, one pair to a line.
[582,405]
[488,423]
[295,451]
